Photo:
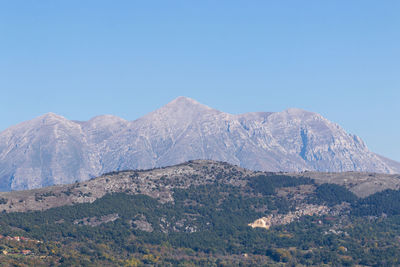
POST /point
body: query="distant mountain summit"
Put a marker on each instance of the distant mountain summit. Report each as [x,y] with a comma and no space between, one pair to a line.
[51,149]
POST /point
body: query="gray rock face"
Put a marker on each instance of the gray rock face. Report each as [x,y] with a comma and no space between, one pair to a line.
[53,150]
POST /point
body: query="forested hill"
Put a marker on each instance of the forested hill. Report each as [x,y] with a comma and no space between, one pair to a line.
[160,182]
[201,213]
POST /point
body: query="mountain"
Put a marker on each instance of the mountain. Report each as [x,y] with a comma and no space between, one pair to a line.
[53,150]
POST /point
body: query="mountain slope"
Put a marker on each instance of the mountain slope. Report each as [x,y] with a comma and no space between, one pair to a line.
[44,151]
[53,150]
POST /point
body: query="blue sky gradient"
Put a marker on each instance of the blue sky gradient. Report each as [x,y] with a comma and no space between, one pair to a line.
[80,59]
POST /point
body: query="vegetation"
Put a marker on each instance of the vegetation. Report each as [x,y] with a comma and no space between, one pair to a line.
[386,202]
[333,194]
[208,225]
[3,200]
[266,184]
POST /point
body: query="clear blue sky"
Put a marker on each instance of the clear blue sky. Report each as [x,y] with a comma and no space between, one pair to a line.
[85,58]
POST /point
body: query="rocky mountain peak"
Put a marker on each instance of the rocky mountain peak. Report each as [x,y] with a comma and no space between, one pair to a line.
[298,113]
[50,117]
[183,107]
[184,101]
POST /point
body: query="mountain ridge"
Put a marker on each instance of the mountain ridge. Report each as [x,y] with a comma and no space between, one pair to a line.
[51,149]
[160,183]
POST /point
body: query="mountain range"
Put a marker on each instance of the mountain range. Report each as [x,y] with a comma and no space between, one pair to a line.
[51,149]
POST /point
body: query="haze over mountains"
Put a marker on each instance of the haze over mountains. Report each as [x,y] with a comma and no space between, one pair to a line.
[51,149]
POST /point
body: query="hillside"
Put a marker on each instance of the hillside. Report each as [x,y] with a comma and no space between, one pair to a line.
[160,182]
[51,149]
[202,213]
